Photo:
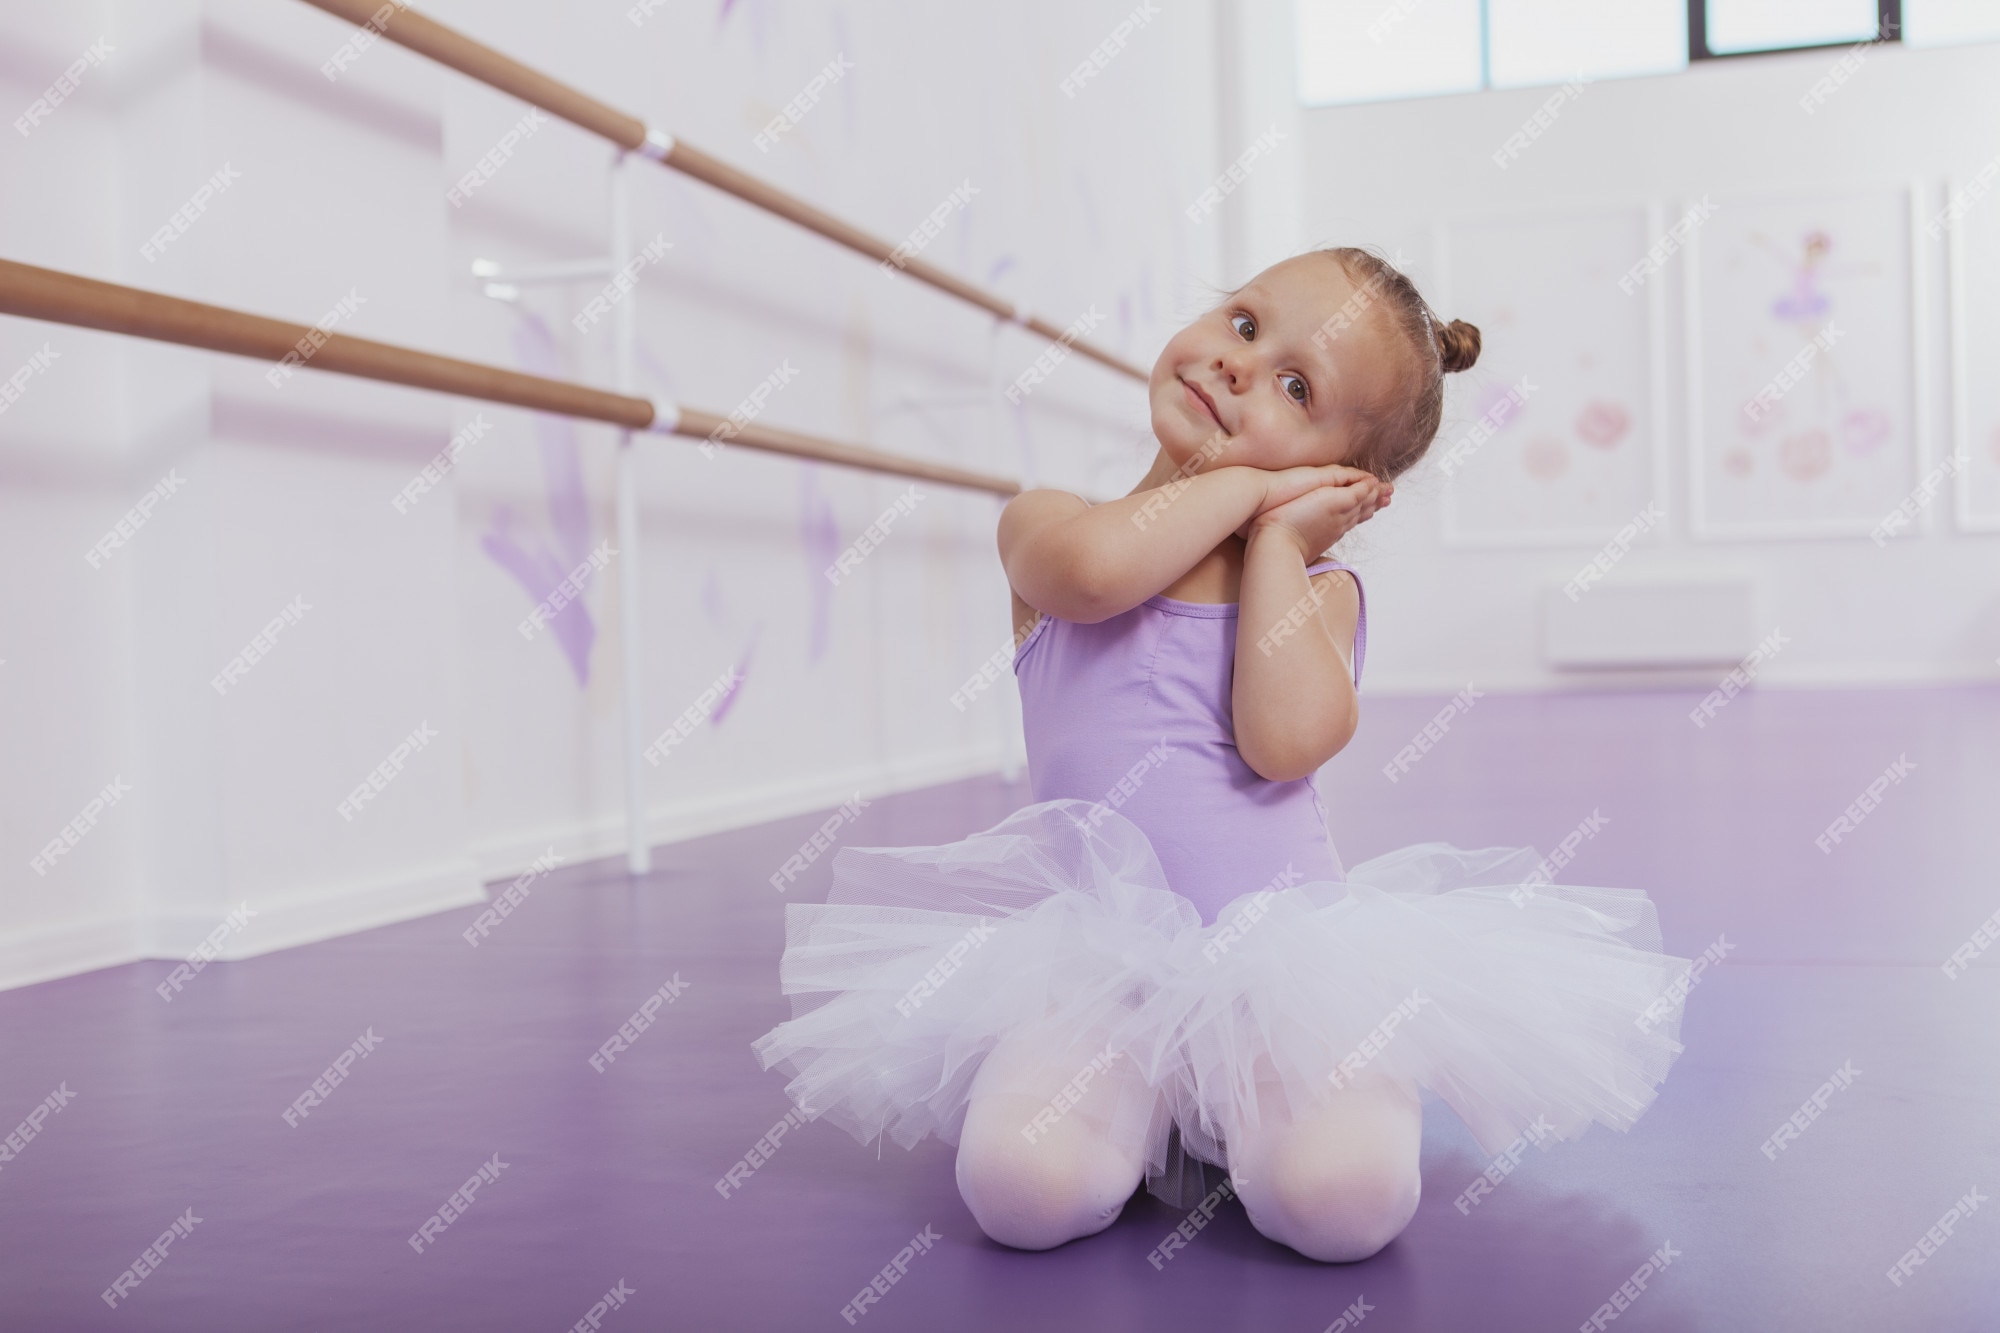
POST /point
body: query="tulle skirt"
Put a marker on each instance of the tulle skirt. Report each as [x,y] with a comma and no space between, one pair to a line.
[1516,1002]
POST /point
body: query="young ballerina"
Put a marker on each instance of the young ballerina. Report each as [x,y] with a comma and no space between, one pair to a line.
[1158,969]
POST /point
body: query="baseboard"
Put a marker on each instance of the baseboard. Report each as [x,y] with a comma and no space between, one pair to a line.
[304,918]
[604,835]
[52,952]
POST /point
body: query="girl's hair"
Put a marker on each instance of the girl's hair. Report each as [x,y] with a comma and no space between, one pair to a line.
[1392,435]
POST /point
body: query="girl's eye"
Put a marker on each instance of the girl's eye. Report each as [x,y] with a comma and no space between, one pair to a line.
[1295,387]
[1245,327]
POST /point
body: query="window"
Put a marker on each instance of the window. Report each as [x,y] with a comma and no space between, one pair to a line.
[1744,27]
[1944,22]
[1372,50]
[1534,42]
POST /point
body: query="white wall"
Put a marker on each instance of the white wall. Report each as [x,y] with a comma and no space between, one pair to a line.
[1924,609]
[105,672]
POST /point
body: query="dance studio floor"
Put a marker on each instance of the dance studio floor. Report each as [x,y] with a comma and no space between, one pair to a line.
[606,1183]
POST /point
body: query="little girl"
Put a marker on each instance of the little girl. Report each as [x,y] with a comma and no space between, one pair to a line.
[1158,970]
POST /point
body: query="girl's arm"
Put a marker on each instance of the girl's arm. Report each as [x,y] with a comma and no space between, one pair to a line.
[1292,696]
[1087,563]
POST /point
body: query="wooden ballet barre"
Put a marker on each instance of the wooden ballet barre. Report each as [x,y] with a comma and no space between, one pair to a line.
[65,298]
[448,46]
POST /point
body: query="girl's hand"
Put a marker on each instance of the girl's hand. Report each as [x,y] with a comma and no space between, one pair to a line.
[1322,515]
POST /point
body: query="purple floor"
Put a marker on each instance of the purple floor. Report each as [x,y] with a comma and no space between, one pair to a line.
[1834,961]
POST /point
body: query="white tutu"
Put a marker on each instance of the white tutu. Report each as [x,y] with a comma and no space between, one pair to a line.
[1514,1001]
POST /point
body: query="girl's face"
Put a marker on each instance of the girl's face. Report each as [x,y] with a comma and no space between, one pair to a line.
[1247,384]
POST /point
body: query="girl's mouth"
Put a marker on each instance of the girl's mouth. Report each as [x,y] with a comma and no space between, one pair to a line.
[1204,402]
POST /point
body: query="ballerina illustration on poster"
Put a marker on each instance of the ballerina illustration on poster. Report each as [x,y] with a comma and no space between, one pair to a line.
[1554,442]
[1802,365]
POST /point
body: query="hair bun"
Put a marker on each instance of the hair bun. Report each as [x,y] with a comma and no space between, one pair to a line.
[1458,346]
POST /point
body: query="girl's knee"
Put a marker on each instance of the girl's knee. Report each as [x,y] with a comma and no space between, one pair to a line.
[1334,1212]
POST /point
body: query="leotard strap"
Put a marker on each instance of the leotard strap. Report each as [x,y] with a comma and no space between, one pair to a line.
[1360,619]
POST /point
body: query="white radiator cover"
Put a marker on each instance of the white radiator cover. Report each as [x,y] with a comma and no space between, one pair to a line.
[1649,622]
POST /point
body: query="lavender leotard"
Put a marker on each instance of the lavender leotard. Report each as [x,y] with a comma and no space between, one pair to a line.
[1096,699]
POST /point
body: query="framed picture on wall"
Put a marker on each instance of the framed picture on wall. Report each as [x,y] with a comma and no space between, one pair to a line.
[1803,354]
[1554,437]
[1971,221]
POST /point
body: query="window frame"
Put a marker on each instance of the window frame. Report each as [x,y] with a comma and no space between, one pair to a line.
[1888,28]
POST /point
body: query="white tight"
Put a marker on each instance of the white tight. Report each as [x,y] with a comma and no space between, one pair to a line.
[1336,1184]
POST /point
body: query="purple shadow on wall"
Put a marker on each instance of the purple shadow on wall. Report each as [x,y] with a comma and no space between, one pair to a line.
[540,561]
[819,539]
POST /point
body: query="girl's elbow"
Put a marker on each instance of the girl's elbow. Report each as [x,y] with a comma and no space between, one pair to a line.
[1299,754]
